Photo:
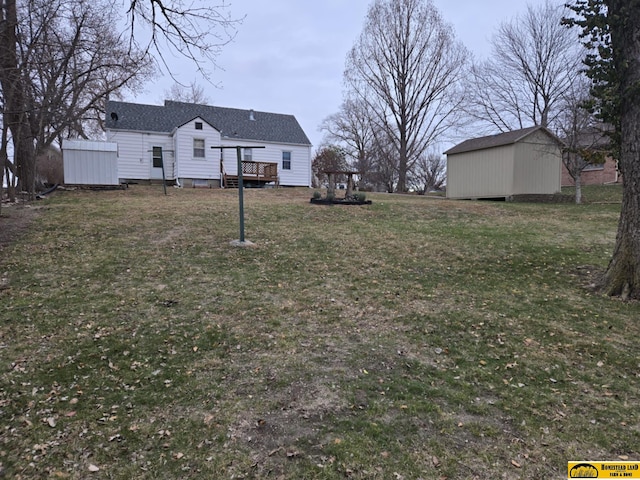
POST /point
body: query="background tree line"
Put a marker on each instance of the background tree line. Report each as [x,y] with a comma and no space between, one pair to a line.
[411,87]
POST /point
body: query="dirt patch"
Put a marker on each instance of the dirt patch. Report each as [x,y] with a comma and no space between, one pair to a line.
[15,221]
[291,430]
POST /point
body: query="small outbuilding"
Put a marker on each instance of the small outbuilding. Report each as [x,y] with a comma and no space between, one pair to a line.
[89,162]
[520,162]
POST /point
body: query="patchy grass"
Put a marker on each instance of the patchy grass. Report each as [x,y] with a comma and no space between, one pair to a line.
[412,338]
[598,193]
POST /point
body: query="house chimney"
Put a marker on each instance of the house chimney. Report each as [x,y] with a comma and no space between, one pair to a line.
[252,115]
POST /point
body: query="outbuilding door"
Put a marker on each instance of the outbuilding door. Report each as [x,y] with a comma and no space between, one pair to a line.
[156,163]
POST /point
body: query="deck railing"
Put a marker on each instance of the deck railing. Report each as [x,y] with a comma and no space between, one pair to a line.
[264,171]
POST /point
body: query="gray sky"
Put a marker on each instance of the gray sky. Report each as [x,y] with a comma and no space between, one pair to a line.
[288,55]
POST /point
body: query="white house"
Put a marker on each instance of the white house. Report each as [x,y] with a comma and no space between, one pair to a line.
[181,139]
[520,162]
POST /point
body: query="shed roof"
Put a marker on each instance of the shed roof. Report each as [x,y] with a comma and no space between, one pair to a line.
[230,122]
[501,139]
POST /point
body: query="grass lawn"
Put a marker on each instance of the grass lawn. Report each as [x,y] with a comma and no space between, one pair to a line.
[413,338]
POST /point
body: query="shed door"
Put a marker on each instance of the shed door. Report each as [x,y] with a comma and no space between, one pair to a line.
[156,163]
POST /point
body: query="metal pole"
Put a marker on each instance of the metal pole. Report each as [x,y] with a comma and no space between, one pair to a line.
[240,194]
[240,183]
[164,178]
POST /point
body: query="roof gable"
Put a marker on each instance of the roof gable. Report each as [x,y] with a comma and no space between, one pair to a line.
[499,140]
[194,119]
[230,122]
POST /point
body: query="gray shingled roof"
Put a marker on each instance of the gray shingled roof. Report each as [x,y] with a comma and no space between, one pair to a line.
[507,138]
[231,122]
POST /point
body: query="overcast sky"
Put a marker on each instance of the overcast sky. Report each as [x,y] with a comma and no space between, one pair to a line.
[288,55]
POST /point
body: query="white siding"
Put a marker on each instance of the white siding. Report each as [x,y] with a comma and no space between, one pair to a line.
[135,151]
[90,163]
[481,173]
[197,168]
[298,176]
[135,155]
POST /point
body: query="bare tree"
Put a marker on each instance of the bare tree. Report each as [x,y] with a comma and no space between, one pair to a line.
[534,63]
[196,30]
[585,137]
[498,102]
[60,60]
[193,93]
[406,66]
[384,166]
[351,128]
[429,173]
[76,60]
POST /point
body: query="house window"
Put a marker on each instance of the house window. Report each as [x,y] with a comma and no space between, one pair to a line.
[198,125]
[157,157]
[198,148]
[286,160]
[248,154]
[593,166]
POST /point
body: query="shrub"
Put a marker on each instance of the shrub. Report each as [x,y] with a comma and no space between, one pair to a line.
[317,195]
[360,196]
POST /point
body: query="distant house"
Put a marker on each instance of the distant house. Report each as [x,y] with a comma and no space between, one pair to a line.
[595,174]
[177,140]
[526,161]
[592,139]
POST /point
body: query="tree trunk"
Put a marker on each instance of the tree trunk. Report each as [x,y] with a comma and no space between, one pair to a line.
[578,185]
[402,172]
[15,116]
[24,153]
[403,161]
[623,274]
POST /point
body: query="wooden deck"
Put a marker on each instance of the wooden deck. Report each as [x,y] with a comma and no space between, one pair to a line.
[255,173]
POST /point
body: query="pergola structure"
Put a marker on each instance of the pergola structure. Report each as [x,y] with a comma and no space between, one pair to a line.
[331,188]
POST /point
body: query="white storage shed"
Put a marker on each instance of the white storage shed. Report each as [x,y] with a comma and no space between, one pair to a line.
[89,162]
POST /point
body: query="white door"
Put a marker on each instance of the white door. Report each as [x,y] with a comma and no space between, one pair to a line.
[157,162]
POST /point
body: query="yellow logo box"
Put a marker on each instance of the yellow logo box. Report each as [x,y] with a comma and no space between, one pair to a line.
[593,469]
